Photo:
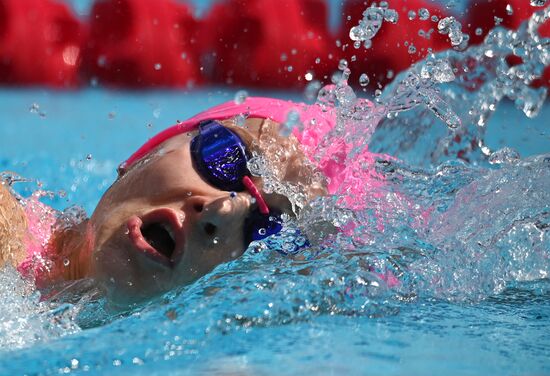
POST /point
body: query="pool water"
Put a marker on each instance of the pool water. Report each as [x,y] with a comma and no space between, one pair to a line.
[265,317]
[464,229]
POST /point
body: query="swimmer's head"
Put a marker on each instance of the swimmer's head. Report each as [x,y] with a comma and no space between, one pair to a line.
[165,222]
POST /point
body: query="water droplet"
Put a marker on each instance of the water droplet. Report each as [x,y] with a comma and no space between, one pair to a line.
[343,64]
[232,194]
[111,115]
[240,96]
[308,76]
[284,57]
[411,15]
[423,14]
[292,121]
[390,15]
[538,3]
[158,66]
[369,25]
[452,27]
[262,231]
[216,240]
[412,49]
[364,79]
[101,61]
[89,157]
[434,18]
[137,361]
[156,113]
[311,90]
[479,31]
[66,262]
[240,119]
[509,10]
[34,108]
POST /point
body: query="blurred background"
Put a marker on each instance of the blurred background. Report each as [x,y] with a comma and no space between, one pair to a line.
[254,43]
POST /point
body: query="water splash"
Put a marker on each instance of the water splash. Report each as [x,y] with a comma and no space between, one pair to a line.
[370,24]
[453,28]
[413,226]
[25,319]
[466,88]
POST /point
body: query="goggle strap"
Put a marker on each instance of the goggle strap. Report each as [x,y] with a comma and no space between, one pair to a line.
[255,192]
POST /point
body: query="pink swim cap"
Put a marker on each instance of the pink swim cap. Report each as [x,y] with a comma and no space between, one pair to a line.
[252,107]
[352,179]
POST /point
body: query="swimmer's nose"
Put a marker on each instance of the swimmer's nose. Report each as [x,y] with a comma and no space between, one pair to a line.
[214,215]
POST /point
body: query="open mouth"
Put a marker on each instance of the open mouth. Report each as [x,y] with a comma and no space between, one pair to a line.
[161,237]
[158,235]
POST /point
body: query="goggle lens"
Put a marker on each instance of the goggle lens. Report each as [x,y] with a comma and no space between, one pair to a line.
[220,157]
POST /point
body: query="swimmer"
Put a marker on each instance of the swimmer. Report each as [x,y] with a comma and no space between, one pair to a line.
[182,204]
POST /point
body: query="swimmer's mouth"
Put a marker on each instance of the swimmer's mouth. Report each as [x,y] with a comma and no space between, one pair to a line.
[158,235]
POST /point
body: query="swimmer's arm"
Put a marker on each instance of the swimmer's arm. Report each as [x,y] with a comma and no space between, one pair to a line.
[13,227]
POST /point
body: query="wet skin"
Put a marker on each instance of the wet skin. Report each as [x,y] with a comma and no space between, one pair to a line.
[160,225]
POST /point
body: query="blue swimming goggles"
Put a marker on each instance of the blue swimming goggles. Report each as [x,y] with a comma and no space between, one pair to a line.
[220,157]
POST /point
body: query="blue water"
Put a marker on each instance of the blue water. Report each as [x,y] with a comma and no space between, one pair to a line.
[468,236]
[262,314]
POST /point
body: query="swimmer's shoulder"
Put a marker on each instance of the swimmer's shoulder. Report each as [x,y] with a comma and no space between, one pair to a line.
[13,227]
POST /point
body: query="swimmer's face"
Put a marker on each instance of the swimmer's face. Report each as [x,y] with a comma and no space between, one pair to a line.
[162,225]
